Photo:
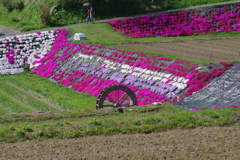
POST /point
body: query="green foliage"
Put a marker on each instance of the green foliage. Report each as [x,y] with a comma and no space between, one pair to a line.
[3,11]
[27,128]
[96,122]
[50,133]
[113,8]
[43,11]
[174,4]
[20,133]
[44,125]
[11,128]
[39,134]
[12,4]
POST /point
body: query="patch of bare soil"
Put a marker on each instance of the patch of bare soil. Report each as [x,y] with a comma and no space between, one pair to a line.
[214,50]
[200,143]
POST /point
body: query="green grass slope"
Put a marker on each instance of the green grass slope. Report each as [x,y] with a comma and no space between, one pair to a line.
[30,93]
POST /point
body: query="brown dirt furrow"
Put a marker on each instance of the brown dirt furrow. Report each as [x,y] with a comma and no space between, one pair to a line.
[35,97]
[231,41]
[214,50]
[217,46]
[179,50]
[200,143]
[233,44]
[207,49]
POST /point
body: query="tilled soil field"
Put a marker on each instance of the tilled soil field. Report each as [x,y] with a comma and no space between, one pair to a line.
[214,50]
[189,144]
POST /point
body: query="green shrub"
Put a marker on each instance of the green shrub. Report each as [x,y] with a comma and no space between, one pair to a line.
[3,10]
[39,134]
[96,122]
[11,128]
[12,4]
[27,128]
[44,11]
[20,133]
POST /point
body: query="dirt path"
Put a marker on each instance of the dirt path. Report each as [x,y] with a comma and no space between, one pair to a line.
[214,50]
[201,143]
[5,31]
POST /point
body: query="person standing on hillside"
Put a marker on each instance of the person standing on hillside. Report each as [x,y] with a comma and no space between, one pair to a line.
[88,16]
[92,13]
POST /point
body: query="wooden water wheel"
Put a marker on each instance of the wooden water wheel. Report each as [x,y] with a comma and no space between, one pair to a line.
[116,96]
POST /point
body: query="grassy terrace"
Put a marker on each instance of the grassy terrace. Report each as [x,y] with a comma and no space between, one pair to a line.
[28,93]
[144,119]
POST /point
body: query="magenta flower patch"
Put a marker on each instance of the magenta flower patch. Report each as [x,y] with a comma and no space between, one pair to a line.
[180,23]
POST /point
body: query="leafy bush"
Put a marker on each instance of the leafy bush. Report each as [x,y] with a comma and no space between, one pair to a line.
[43,10]
[27,128]
[173,4]
[96,122]
[20,133]
[3,10]
[12,4]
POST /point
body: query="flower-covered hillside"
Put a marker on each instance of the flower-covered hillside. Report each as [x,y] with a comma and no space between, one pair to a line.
[19,50]
[181,23]
[90,68]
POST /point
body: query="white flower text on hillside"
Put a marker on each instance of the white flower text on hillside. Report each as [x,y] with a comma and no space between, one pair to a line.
[179,82]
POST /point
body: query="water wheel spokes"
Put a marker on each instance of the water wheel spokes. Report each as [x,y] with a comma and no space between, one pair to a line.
[116,96]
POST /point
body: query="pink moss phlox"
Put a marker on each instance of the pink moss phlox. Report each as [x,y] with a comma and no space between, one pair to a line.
[233,106]
[179,23]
